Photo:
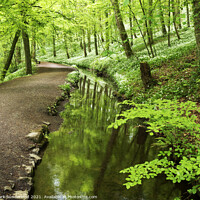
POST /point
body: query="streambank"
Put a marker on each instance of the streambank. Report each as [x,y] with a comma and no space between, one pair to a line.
[24,103]
[84,157]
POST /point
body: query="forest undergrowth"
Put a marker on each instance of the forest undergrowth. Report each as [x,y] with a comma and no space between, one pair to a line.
[174,68]
[170,108]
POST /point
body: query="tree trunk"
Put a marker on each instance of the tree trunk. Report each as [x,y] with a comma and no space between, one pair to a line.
[131,23]
[81,43]
[89,41]
[27,52]
[150,22]
[174,20]
[179,14]
[134,17]
[169,21]
[54,46]
[162,20]
[121,28]
[196,13]
[18,56]
[33,48]
[95,37]
[188,13]
[107,32]
[147,29]
[95,41]
[84,44]
[66,47]
[10,56]
[146,75]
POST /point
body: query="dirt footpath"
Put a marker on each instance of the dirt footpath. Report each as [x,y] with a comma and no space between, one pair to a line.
[23,108]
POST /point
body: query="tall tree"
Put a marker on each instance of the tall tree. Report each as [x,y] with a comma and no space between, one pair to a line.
[95,35]
[149,33]
[162,19]
[27,51]
[121,28]
[174,19]
[33,46]
[84,44]
[107,31]
[10,56]
[18,56]
[150,18]
[131,23]
[196,12]
[188,13]
[169,23]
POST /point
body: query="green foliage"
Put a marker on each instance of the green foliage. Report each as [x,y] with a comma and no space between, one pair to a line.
[188,169]
[163,116]
[177,132]
[65,88]
[73,78]
[18,73]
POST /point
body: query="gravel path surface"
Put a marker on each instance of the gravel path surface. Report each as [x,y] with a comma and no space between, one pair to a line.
[23,108]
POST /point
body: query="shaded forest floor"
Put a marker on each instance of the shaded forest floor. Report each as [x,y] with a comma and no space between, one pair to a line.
[23,108]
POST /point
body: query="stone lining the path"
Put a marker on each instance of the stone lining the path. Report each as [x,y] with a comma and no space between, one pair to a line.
[38,137]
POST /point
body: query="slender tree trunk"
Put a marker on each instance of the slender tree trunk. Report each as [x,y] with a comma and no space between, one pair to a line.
[121,28]
[66,46]
[95,41]
[169,21]
[131,29]
[10,55]
[18,56]
[134,17]
[150,22]
[54,45]
[162,21]
[33,47]
[107,32]
[179,14]
[81,43]
[135,35]
[95,37]
[196,13]
[131,23]
[84,44]
[174,20]
[188,13]
[101,32]
[33,51]
[27,52]
[147,29]
[89,41]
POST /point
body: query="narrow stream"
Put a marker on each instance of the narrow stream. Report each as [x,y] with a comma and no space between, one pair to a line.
[83,158]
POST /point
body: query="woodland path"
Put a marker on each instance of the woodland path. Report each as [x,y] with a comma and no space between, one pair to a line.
[23,108]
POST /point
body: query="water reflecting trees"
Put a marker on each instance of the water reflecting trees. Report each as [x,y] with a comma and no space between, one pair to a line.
[84,157]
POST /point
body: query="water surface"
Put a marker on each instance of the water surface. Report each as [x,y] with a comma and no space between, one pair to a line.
[83,158]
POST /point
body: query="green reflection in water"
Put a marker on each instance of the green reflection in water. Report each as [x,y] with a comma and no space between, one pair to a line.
[84,157]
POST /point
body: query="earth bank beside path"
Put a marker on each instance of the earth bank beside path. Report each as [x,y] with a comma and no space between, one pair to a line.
[23,108]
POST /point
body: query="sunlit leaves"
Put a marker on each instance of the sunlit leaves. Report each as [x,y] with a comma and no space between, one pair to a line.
[126,2]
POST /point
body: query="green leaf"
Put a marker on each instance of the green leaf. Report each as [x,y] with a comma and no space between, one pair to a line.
[126,2]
